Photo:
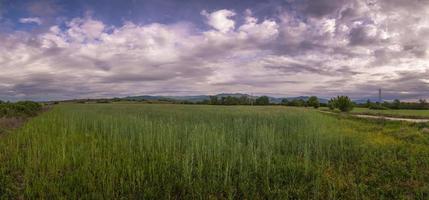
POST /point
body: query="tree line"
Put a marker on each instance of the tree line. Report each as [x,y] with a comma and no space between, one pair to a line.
[342,103]
[262,100]
[312,101]
[242,100]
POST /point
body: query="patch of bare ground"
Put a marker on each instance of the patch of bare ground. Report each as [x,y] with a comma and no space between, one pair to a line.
[10,123]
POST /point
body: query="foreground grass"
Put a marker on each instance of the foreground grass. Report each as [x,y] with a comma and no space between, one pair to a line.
[175,151]
[394,113]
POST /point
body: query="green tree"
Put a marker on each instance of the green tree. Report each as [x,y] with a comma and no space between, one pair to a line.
[244,100]
[332,103]
[285,101]
[263,100]
[344,103]
[313,101]
[229,100]
[214,100]
[297,102]
[423,103]
[396,104]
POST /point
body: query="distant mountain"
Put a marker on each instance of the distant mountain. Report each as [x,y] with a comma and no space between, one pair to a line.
[233,95]
[199,98]
[305,98]
[372,99]
[176,98]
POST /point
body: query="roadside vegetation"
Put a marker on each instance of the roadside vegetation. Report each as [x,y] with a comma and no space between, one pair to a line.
[395,108]
[416,114]
[13,115]
[140,151]
[19,109]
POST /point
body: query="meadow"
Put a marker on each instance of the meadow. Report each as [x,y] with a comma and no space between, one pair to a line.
[394,113]
[113,151]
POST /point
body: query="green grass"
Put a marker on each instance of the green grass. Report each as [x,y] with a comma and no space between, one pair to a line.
[111,151]
[394,113]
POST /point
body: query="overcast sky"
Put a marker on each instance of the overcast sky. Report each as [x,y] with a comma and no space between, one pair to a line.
[92,48]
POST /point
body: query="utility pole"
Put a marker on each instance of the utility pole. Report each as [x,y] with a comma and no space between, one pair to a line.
[379,95]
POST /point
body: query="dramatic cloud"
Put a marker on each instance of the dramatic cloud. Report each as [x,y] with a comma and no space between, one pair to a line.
[325,48]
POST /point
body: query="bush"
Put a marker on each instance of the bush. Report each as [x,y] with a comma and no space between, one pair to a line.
[332,103]
[343,103]
[23,108]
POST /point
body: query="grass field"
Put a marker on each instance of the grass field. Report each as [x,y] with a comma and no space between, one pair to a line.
[106,151]
[394,113]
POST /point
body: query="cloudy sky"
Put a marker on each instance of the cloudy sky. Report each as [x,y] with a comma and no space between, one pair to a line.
[92,48]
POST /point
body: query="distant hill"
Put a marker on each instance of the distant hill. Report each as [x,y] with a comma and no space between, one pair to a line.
[174,98]
[199,98]
[305,98]
[372,99]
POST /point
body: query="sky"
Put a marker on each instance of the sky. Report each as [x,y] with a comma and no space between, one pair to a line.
[53,50]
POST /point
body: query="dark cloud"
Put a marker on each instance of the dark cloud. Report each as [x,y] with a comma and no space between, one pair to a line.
[257,82]
[418,50]
[360,36]
[320,8]
[135,77]
[313,68]
[404,85]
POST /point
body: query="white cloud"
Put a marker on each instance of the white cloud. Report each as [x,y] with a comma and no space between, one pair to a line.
[30,20]
[220,20]
[266,30]
[85,29]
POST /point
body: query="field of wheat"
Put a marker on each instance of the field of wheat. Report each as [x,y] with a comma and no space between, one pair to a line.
[106,151]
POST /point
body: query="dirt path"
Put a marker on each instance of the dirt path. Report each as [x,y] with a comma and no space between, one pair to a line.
[384,117]
[392,118]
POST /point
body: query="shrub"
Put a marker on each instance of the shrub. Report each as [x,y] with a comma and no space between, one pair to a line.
[343,103]
[332,104]
[23,108]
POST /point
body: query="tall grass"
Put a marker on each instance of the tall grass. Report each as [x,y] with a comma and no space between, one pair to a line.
[210,152]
